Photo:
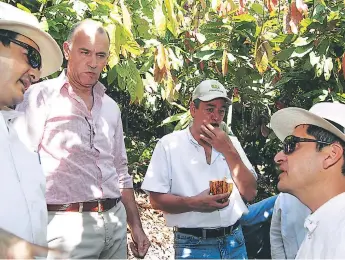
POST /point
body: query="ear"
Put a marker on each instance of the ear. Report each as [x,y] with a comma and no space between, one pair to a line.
[192,109]
[334,154]
[66,50]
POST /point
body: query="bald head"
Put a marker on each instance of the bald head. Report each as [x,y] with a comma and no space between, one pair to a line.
[91,26]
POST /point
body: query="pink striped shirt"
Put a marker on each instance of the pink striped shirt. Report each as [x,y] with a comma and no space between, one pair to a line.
[82,153]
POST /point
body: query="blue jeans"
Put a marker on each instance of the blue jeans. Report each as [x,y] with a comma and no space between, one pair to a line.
[259,212]
[227,247]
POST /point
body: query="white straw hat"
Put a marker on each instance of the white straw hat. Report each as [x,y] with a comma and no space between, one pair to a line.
[210,89]
[284,121]
[16,20]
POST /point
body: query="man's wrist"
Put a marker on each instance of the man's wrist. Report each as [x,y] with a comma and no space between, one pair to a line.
[231,152]
[189,202]
[136,227]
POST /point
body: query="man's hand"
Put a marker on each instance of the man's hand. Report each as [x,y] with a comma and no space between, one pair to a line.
[140,243]
[217,138]
[204,202]
[13,247]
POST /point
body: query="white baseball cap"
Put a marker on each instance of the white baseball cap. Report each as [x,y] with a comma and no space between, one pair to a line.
[323,115]
[208,90]
[24,23]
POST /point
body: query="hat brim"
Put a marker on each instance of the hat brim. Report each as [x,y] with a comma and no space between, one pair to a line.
[49,49]
[284,122]
[211,97]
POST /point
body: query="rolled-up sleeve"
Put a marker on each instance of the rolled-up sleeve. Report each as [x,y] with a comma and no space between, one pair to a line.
[157,178]
[120,157]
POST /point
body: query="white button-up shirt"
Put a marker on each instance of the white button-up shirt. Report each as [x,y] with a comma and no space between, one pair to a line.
[178,166]
[22,185]
[287,226]
[325,238]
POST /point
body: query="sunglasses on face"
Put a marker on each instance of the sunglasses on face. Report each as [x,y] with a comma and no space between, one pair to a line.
[290,142]
[34,57]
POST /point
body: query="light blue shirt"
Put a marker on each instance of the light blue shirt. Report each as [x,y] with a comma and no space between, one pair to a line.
[287,226]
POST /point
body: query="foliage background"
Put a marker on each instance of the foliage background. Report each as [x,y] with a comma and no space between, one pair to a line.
[269,54]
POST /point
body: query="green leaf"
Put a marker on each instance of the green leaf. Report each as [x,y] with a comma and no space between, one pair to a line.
[115,36]
[133,47]
[205,55]
[173,118]
[285,54]
[129,78]
[257,8]
[135,84]
[179,106]
[280,38]
[159,19]
[283,81]
[301,51]
[244,18]
[147,65]
[22,7]
[319,13]
[111,76]
[172,21]
[323,47]
[302,41]
[184,122]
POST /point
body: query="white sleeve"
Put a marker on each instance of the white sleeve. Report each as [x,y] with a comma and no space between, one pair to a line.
[242,154]
[157,178]
[276,239]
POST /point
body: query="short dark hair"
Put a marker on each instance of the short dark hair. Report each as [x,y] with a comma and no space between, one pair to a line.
[325,136]
[76,26]
[5,35]
[197,102]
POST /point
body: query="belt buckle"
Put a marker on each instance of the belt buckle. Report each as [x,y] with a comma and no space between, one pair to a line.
[224,231]
[99,206]
[204,233]
[81,205]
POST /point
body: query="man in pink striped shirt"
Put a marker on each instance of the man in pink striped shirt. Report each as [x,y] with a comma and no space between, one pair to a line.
[77,130]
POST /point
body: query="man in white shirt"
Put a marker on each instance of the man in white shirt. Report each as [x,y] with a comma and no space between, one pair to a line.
[182,165]
[287,226]
[26,53]
[312,169]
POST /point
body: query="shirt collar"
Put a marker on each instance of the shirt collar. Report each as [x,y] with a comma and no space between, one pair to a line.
[10,114]
[190,137]
[99,88]
[195,142]
[326,211]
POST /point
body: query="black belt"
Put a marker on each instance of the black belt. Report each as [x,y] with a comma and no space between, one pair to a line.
[208,233]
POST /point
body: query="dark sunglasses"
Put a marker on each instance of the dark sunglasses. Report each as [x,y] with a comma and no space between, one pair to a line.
[290,142]
[34,57]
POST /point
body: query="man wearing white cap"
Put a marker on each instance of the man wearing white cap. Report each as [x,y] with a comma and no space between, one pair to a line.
[182,165]
[312,169]
[26,54]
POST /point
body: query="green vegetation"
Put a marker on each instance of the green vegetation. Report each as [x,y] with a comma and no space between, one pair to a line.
[270,54]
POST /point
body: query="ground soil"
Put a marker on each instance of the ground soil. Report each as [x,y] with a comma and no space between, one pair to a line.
[160,236]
